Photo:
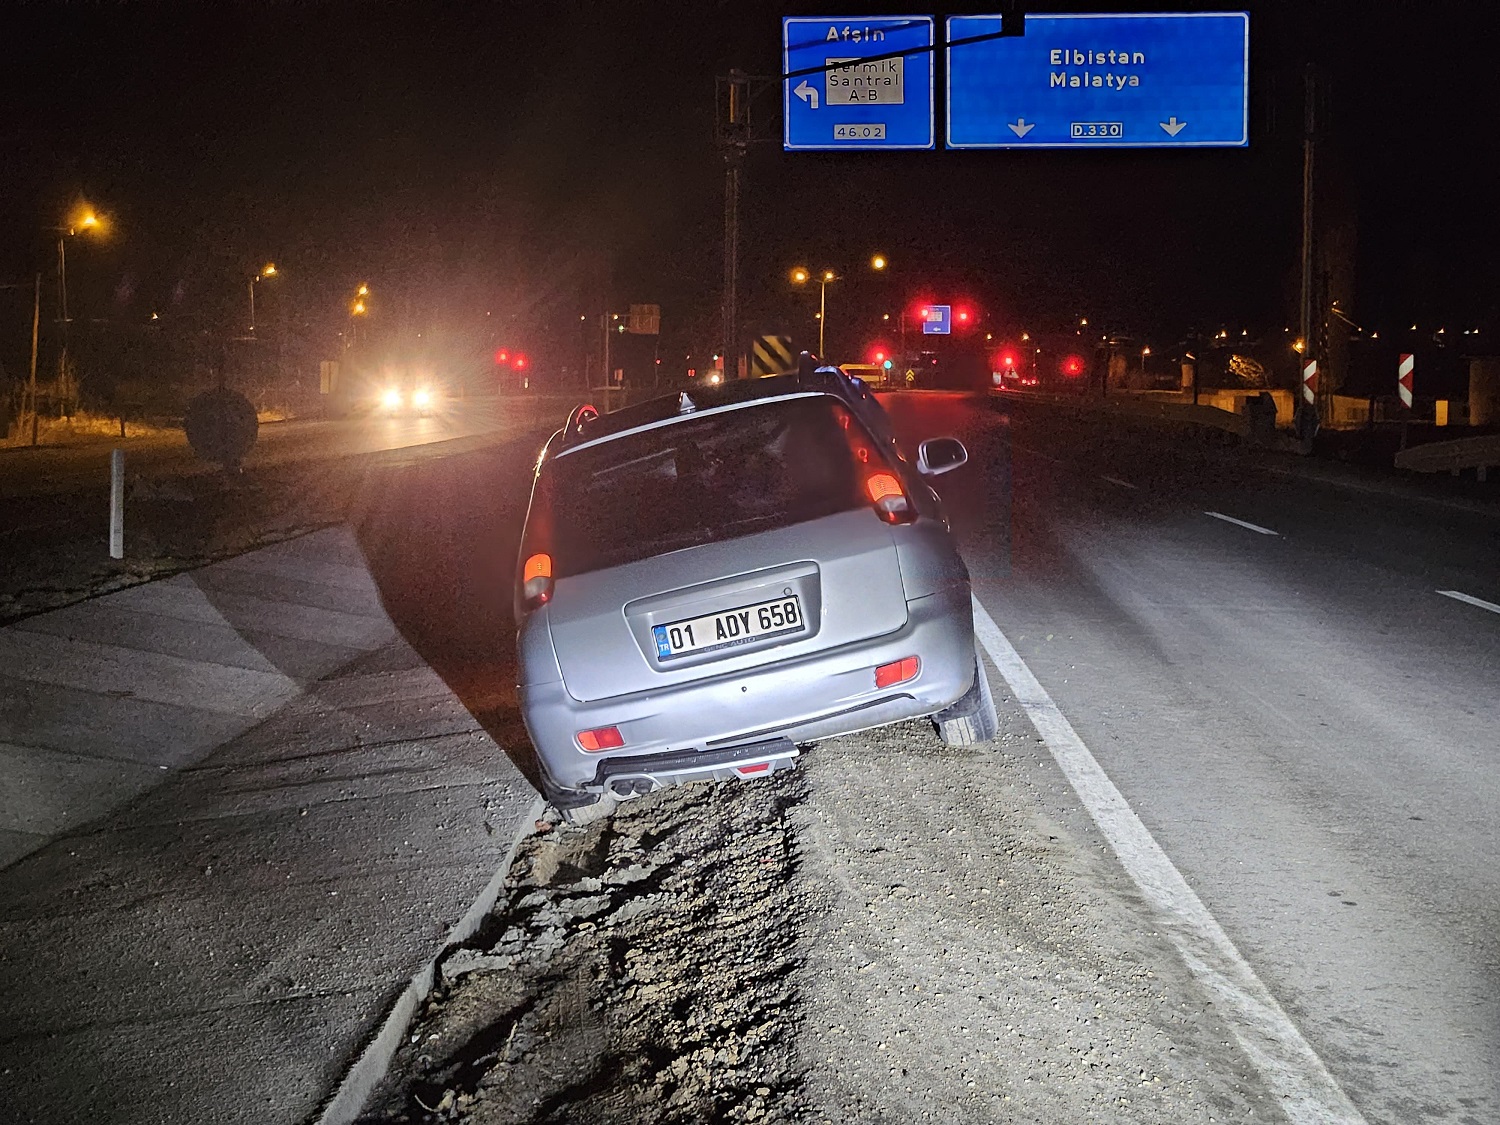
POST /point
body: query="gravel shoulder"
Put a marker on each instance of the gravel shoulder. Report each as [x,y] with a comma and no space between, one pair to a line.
[894,932]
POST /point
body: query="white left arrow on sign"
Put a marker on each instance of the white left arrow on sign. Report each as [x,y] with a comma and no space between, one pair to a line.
[808,94]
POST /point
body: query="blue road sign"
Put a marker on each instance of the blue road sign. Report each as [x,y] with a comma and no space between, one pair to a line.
[937,320]
[870,103]
[1172,80]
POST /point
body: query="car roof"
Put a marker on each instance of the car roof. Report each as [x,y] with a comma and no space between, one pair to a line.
[586,426]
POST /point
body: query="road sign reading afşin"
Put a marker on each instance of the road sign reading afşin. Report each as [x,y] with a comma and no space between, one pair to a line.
[858,83]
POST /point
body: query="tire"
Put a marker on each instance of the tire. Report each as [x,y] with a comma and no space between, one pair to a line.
[589,814]
[576,806]
[972,721]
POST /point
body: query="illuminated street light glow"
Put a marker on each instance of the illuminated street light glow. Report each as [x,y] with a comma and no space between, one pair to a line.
[799,275]
[878,262]
[269,270]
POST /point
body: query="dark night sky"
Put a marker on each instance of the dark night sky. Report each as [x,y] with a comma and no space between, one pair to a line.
[525,158]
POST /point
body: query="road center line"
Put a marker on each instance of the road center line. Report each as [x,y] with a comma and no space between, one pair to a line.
[1117,480]
[1241,523]
[1307,1093]
[1462,597]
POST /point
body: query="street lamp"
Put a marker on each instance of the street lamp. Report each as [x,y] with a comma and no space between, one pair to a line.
[268,270]
[799,277]
[878,262]
[86,220]
[357,308]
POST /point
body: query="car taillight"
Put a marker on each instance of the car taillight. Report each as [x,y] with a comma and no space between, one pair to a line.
[889,498]
[897,672]
[601,738]
[536,581]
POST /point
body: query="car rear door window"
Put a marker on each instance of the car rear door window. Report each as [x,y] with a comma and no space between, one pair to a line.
[701,480]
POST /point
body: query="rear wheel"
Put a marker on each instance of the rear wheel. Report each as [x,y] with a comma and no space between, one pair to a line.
[972,721]
[576,805]
[591,812]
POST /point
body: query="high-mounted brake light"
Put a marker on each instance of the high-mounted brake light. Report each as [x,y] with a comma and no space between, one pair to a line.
[536,580]
[889,499]
[897,672]
[601,738]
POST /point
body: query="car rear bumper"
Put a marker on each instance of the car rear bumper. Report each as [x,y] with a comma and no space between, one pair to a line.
[819,695]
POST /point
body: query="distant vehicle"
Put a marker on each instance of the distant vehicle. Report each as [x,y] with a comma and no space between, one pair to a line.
[709,580]
[407,392]
[870,374]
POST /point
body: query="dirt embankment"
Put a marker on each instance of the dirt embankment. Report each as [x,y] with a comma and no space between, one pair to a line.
[893,933]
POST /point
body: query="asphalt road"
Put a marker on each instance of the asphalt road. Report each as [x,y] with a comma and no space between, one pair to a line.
[1298,716]
[1304,723]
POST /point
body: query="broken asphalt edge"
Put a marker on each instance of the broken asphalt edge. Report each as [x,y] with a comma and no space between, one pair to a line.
[348,1101]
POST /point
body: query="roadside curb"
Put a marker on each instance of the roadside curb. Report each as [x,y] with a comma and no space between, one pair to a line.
[360,1080]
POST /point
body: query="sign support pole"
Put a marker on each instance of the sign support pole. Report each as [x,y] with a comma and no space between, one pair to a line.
[735,137]
[1310,349]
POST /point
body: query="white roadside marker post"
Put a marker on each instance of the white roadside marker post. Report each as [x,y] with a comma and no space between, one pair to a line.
[117,504]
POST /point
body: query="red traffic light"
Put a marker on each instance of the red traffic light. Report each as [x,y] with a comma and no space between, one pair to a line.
[1072,365]
[501,356]
[1007,360]
[519,363]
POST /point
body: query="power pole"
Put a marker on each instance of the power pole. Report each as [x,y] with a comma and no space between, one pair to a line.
[1309,140]
[36,315]
[734,139]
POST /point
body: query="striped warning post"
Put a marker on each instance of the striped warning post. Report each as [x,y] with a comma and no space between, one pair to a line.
[771,355]
[1310,382]
[1404,377]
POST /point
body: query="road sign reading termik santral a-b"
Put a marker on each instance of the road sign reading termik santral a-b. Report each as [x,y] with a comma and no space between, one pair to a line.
[1169,80]
[853,84]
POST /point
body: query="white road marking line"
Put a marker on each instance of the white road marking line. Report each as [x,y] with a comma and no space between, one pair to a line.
[1307,1093]
[1241,523]
[1117,480]
[1462,597]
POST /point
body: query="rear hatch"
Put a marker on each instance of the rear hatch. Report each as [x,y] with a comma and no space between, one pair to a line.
[715,543]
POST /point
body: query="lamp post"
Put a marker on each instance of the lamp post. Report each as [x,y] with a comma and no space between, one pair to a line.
[86,220]
[800,276]
[268,270]
[357,308]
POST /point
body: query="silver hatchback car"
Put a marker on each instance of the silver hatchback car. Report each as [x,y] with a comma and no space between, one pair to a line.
[710,580]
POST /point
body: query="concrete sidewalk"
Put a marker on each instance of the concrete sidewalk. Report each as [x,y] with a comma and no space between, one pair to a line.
[237,812]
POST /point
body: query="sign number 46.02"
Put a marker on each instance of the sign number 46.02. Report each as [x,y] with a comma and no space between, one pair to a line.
[869,132]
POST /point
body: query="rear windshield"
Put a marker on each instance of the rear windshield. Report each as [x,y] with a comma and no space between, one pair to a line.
[701,480]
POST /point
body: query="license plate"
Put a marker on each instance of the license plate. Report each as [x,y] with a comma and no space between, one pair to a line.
[730,628]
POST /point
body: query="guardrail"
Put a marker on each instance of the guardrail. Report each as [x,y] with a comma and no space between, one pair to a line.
[1480,453]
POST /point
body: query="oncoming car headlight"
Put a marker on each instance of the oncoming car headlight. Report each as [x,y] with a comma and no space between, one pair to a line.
[391,399]
[421,397]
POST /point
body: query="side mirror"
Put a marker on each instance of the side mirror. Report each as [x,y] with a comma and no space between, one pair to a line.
[937,456]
